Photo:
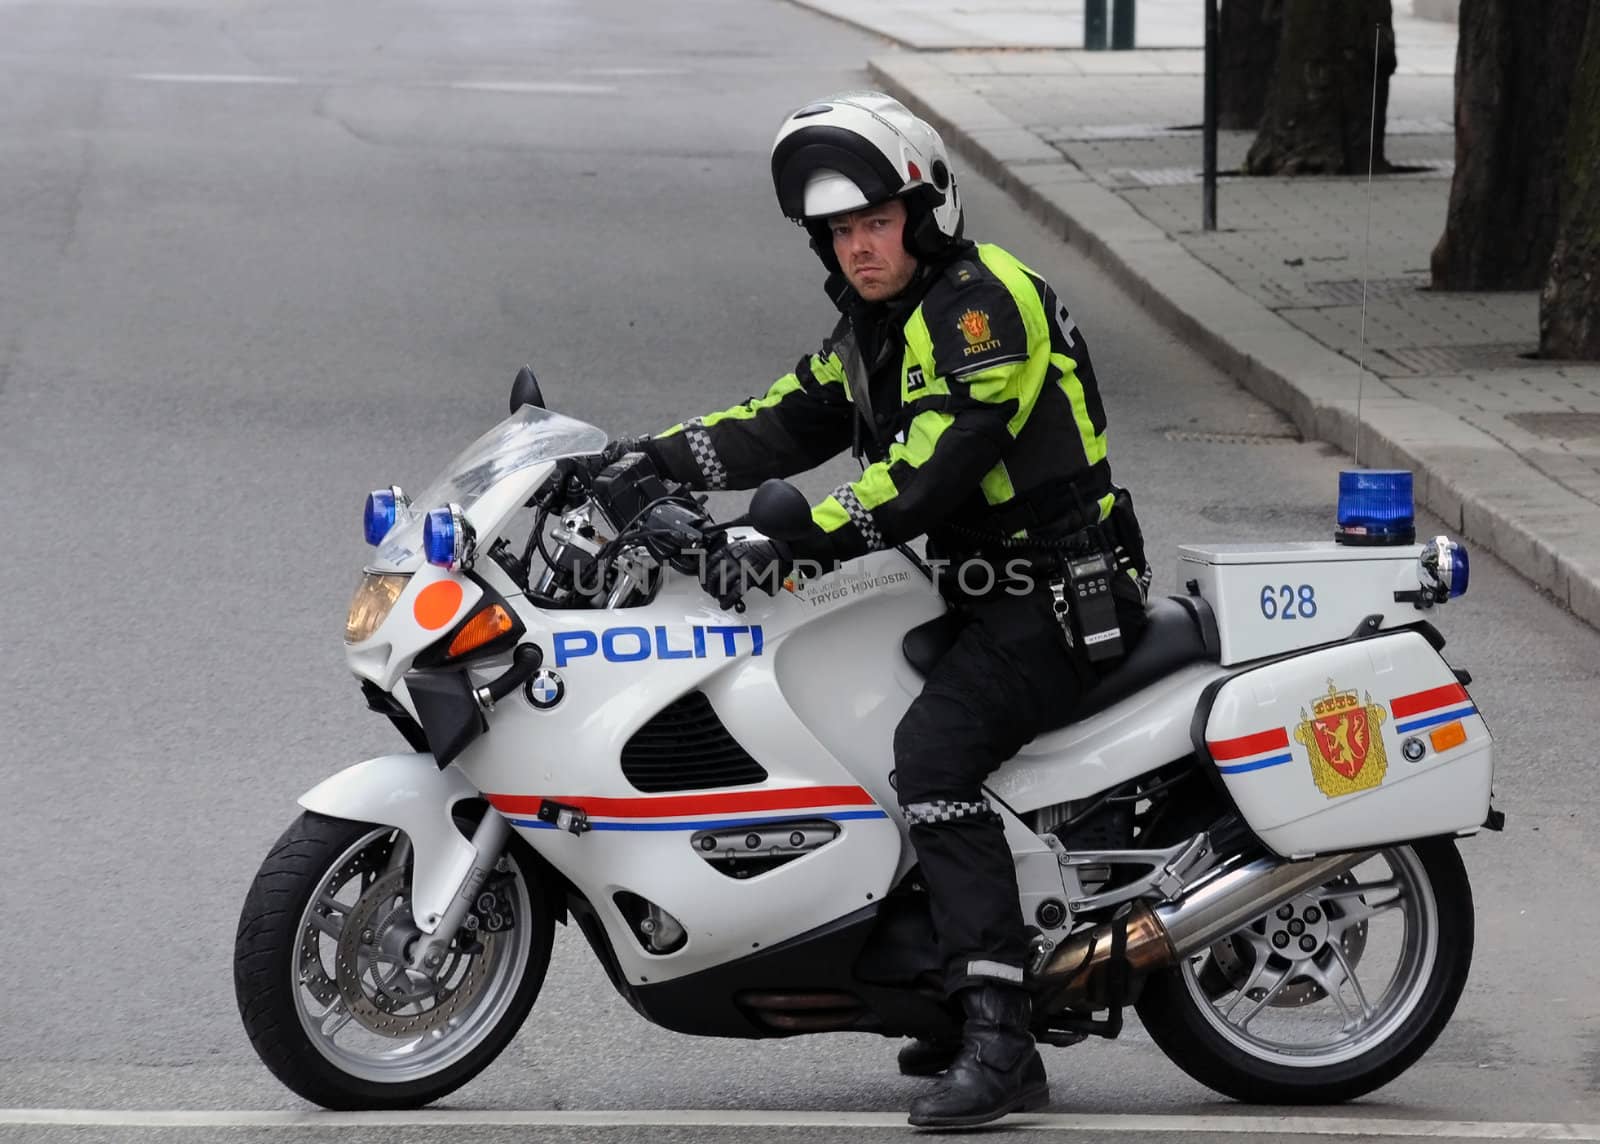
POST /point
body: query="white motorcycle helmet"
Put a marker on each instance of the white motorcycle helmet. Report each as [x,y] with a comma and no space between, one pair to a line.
[857,149]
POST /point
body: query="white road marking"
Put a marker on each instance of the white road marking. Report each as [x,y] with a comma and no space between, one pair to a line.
[633,72]
[552,87]
[506,87]
[185,77]
[1243,1125]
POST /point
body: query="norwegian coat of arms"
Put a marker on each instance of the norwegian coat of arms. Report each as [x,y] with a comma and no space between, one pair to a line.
[1341,736]
[975,326]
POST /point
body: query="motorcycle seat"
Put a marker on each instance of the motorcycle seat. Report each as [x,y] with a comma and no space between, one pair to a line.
[1179,630]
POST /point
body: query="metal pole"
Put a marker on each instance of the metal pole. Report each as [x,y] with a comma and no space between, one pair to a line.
[1122,25]
[1208,131]
[1094,25]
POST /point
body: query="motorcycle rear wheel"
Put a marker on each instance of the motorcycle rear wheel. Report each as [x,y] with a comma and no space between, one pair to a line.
[318,978]
[1277,1012]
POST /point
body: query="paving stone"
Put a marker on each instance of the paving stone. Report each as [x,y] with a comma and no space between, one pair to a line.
[1424,48]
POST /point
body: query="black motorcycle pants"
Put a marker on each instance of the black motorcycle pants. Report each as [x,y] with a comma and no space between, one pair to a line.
[1009,677]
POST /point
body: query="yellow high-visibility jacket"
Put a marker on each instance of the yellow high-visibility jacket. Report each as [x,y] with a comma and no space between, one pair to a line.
[971,399]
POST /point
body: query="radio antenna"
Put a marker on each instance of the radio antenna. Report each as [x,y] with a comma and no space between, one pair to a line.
[1366,241]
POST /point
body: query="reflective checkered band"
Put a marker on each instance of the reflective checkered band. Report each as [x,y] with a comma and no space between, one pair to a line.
[995,970]
[846,496]
[941,810]
[705,454]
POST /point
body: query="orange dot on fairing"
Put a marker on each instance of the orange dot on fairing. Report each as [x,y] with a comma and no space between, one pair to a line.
[437,604]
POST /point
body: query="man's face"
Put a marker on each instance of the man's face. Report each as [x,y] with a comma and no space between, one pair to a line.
[868,245]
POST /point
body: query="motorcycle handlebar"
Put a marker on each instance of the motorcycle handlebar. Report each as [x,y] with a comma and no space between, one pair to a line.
[525,662]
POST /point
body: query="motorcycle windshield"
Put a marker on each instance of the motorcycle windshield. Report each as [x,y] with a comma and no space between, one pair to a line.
[528,437]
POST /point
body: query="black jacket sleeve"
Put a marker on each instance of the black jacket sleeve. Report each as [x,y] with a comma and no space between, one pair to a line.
[803,419]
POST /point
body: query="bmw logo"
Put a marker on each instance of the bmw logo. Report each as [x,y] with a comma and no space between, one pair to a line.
[545,689]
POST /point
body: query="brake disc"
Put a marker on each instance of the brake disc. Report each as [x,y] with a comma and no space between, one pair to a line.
[371,971]
[314,975]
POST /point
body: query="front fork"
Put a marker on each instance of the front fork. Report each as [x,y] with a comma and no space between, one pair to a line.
[488,840]
[411,794]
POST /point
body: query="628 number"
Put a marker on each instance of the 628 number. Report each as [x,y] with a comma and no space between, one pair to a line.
[1286,602]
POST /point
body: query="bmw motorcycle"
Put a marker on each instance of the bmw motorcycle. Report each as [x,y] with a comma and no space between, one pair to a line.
[1247,834]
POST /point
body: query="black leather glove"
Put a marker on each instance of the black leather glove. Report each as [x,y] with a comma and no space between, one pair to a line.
[735,567]
[618,449]
[622,446]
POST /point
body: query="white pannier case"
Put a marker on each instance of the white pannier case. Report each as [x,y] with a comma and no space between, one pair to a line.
[1359,744]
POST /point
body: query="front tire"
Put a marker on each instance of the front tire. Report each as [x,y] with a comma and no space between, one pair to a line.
[1276,1012]
[317,957]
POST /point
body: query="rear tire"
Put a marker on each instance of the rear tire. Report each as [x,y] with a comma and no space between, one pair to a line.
[294,980]
[1182,1007]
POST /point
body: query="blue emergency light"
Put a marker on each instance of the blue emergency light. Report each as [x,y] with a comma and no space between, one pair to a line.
[1445,569]
[446,537]
[1457,570]
[1376,507]
[383,509]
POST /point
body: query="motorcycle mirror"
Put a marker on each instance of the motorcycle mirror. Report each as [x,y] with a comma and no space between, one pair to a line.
[525,390]
[781,511]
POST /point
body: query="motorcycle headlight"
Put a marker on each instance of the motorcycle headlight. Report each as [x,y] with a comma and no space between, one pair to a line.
[374,598]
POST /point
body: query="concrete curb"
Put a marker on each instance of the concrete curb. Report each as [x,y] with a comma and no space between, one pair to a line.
[1481,488]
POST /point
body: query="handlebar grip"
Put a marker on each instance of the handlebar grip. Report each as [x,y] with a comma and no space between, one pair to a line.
[525,662]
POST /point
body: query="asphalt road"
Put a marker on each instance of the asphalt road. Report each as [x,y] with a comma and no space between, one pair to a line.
[259,257]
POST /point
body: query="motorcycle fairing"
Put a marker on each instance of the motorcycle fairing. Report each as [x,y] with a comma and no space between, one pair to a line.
[875,969]
[386,655]
[778,697]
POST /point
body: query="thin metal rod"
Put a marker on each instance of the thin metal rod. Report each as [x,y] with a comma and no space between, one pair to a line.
[1208,129]
[1366,242]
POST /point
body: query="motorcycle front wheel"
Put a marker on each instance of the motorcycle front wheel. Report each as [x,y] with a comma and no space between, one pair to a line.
[1328,996]
[320,972]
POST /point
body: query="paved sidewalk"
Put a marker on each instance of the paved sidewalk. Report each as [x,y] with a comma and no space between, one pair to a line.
[1105,147]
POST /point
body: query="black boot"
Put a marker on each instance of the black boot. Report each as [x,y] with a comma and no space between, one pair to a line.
[997,1070]
[927,1058]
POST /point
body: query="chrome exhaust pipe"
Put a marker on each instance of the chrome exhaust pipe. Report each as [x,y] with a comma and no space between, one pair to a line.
[1076,974]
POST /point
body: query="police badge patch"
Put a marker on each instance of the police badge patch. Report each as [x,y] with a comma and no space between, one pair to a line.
[1342,738]
[975,328]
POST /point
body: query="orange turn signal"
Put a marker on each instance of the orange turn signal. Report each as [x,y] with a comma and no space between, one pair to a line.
[1450,735]
[488,625]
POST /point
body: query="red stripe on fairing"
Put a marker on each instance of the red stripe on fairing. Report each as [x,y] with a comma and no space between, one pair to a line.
[1225,749]
[1429,700]
[676,806]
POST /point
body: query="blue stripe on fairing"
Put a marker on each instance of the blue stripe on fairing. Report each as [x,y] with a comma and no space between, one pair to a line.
[709,824]
[1240,768]
[1443,717]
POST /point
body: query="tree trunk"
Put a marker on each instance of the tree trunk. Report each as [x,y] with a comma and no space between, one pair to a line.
[1320,104]
[1569,304]
[1247,47]
[1515,63]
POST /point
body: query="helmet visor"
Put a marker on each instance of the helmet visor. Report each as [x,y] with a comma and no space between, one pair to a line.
[829,193]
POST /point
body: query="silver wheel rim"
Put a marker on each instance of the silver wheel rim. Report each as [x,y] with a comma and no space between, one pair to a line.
[1300,986]
[408,1040]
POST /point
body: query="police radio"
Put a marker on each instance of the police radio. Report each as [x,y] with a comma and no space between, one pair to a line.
[1093,607]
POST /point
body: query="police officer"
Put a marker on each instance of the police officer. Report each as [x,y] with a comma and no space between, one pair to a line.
[965,388]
